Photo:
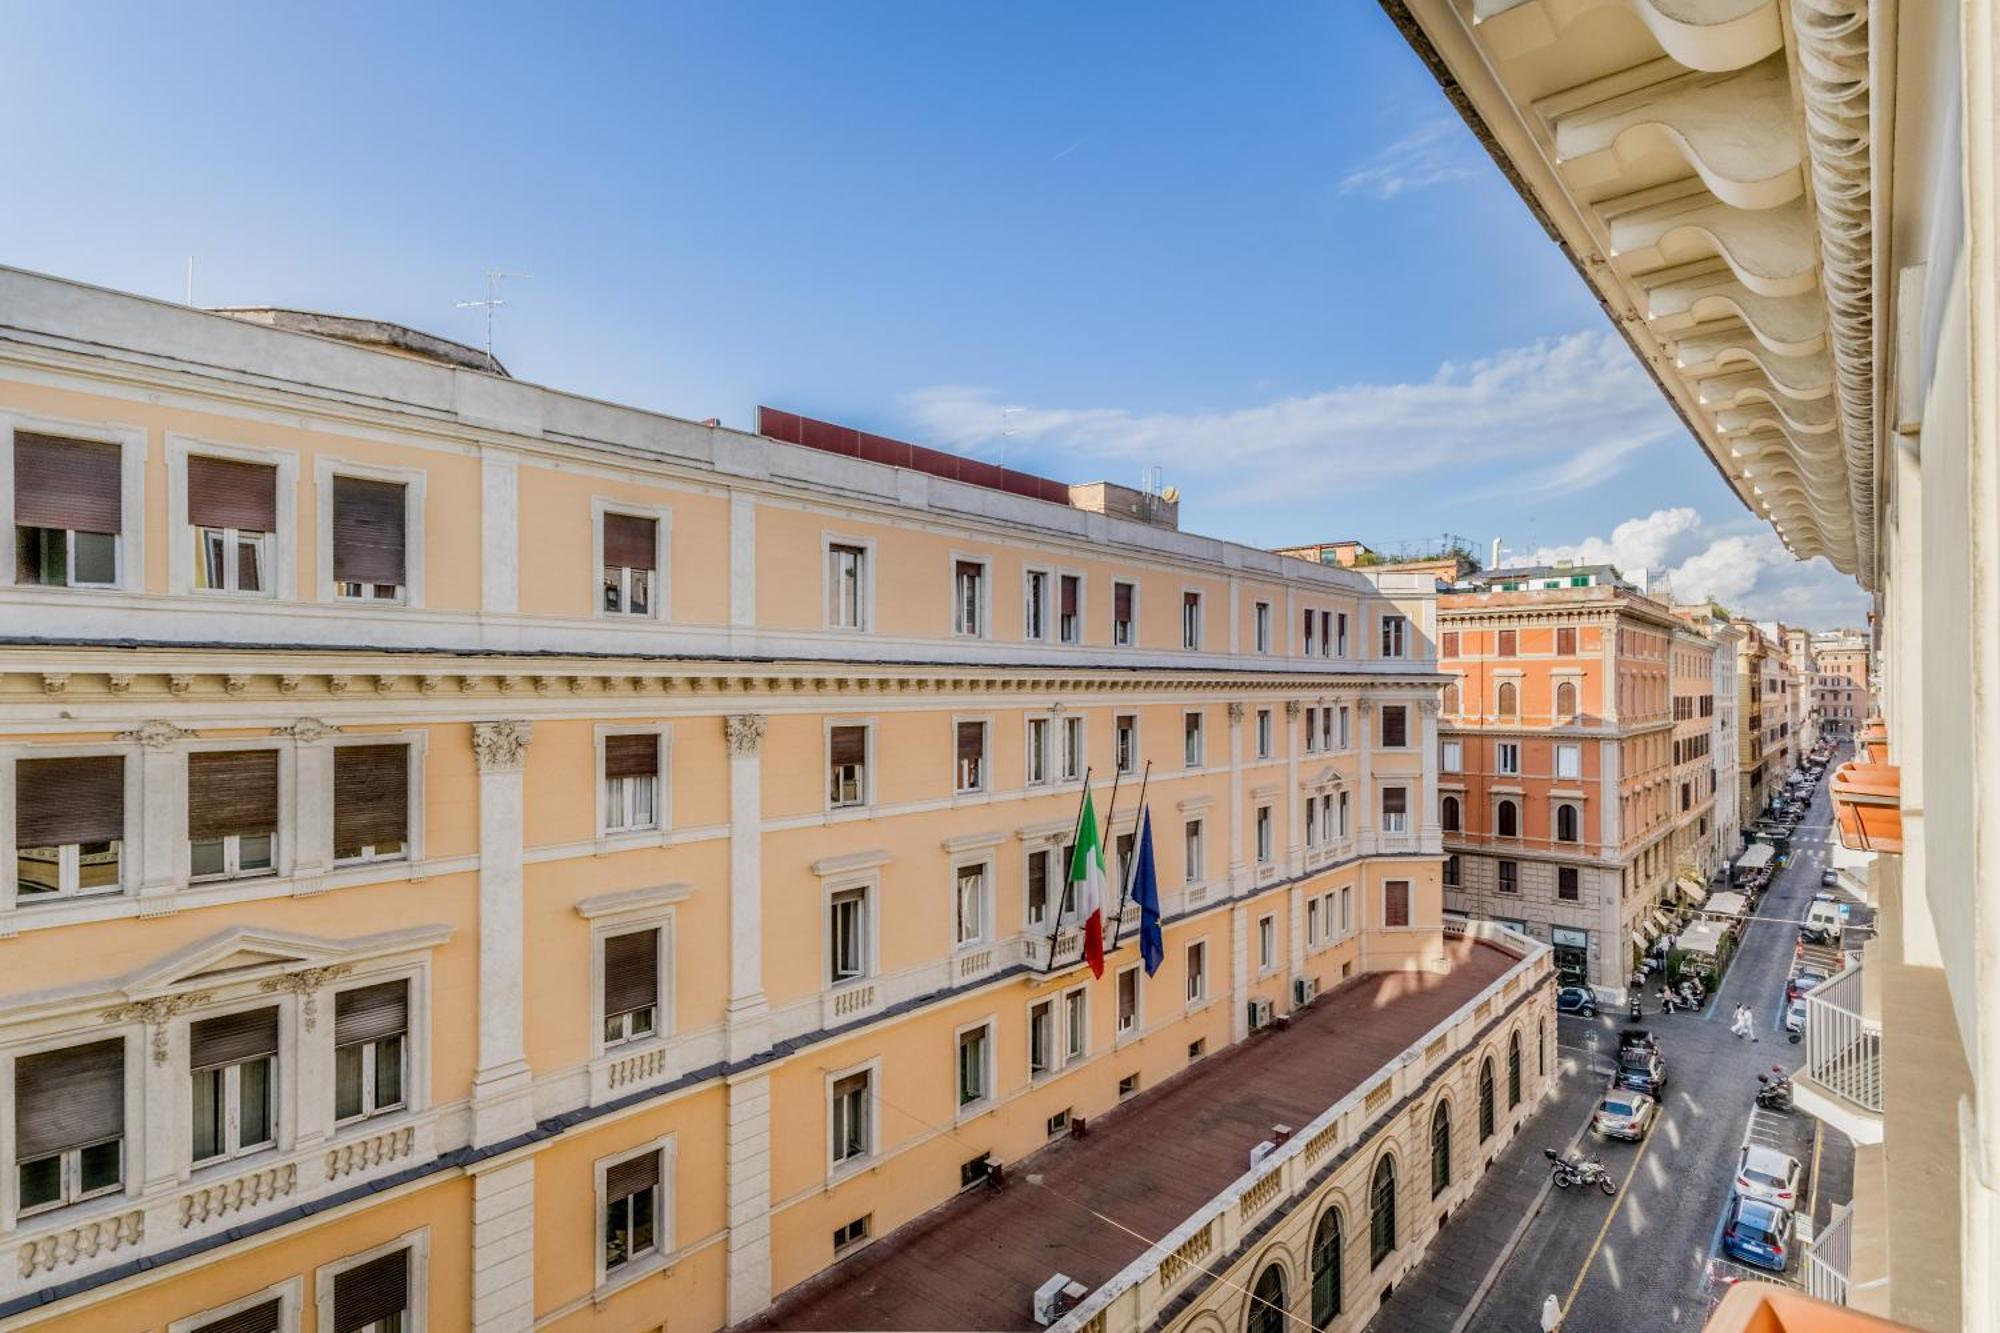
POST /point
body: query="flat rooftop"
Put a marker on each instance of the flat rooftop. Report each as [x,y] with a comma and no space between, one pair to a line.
[975,1262]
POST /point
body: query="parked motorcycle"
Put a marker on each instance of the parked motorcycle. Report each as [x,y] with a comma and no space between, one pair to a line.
[1671,1002]
[1774,1090]
[1565,1171]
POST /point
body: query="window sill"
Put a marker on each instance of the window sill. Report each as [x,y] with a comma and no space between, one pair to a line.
[973,1110]
[621,840]
[655,1264]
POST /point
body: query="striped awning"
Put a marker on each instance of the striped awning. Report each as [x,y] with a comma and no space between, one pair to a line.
[1661,921]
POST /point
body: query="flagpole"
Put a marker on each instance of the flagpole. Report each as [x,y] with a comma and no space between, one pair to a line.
[1110,810]
[1062,895]
[1125,872]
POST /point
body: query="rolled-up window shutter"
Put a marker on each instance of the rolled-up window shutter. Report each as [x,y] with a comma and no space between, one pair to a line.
[58,801]
[371,795]
[1069,595]
[632,1175]
[261,1318]
[371,1292]
[370,1013]
[72,484]
[632,756]
[1395,726]
[1396,903]
[367,531]
[630,542]
[1121,601]
[1395,800]
[971,741]
[233,1038]
[631,971]
[223,493]
[849,745]
[68,1098]
[232,793]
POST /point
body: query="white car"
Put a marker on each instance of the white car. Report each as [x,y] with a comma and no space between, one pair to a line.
[1766,1173]
[1624,1114]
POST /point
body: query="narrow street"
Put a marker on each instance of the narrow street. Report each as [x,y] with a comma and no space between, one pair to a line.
[1650,1259]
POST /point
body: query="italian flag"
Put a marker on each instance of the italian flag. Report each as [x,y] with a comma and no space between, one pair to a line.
[1086,873]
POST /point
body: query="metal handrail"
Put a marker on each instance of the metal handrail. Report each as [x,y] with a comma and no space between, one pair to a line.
[1843,1047]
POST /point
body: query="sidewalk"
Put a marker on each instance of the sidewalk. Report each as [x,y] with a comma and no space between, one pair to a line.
[1436,1293]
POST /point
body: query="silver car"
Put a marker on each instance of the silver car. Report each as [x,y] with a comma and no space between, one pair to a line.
[1766,1173]
[1624,1114]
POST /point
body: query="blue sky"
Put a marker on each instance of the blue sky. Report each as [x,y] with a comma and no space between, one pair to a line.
[1248,244]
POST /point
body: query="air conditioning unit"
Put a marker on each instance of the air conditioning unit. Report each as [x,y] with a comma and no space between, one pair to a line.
[1304,991]
[1058,1294]
[1260,1014]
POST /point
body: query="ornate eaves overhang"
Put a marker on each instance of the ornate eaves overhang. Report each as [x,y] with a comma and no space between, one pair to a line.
[1706,166]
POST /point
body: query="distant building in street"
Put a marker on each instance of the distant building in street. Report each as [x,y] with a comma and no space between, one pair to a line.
[1840,680]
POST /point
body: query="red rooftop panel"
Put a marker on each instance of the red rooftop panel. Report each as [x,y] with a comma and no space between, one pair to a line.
[828,437]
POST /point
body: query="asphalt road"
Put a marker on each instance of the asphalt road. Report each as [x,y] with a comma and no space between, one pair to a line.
[1651,1258]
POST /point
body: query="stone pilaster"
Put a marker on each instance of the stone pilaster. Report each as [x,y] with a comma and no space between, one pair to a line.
[1295,816]
[312,800]
[1431,835]
[503,1248]
[1365,797]
[162,793]
[499,533]
[1239,868]
[1239,971]
[502,1091]
[749,1195]
[748,1013]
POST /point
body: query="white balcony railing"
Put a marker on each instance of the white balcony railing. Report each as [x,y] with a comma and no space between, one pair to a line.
[1844,1049]
[1830,1258]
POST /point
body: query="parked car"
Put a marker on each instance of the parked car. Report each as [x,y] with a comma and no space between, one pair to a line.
[1829,879]
[1795,1016]
[1766,1173]
[1623,1114]
[1759,1233]
[1802,982]
[1577,1000]
[1822,922]
[1641,1070]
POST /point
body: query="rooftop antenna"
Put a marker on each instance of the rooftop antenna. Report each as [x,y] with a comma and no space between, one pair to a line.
[1006,430]
[490,304]
[190,280]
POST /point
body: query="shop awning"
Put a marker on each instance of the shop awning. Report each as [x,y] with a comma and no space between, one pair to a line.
[1661,922]
[1727,904]
[1755,857]
[1638,939]
[1703,937]
[1694,892]
[1867,806]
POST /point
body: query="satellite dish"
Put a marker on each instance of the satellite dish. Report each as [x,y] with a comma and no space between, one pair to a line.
[1172,495]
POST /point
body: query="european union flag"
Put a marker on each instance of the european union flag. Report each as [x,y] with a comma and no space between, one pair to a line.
[1146,893]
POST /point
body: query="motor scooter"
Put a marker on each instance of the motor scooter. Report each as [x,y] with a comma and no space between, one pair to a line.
[1774,1090]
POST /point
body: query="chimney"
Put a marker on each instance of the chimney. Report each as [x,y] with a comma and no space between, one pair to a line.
[1495,562]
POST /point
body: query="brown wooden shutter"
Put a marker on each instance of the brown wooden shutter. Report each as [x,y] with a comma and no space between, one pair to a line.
[371,1292]
[72,484]
[1121,601]
[1395,800]
[632,756]
[1308,628]
[371,795]
[370,1013]
[631,971]
[233,1038]
[849,745]
[232,793]
[971,742]
[58,801]
[1395,726]
[971,569]
[68,1098]
[367,531]
[1506,646]
[263,1318]
[1068,586]
[1396,902]
[632,1175]
[1449,644]
[1566,642]
[223,493]
[630,542]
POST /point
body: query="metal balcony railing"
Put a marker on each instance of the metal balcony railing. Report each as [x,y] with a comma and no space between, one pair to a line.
[1831,1257]
[1844,1049]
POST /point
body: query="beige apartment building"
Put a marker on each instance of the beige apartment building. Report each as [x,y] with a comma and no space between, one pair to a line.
[1698,850]
[488,858]
[1840,682]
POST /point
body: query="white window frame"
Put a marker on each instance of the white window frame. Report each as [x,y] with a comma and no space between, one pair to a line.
[1195,961]
[1266,835]
[661,920]
[131,1147]
[416,745]
[282,1114]
[1340,629]
[984,863]
[1345,730]
[1038,607]
[867,890]
[1408,730]
[1316,932]
[281,565]
[1266,733]
[1075,1052]
[1267,944]
[871,1108]
[1507,758]
[289,1294]
[1191,630]
[989,1094]
[1072,747]
[865,592]
[130,873]
[418,1243]
[1200,737]
[1451,757]
[867,798]
[1260,626]
[1401,818]
[325,469]
[1134,1027]
[663,544]
[662,1252]
[1194,846]
[1075,637]
[662,784]
[985,784]
[1132,626]
[984,629]
[1052,1065]
[130,548]
[1395,636]
[1134,765]
[1038,756]
[1573,769]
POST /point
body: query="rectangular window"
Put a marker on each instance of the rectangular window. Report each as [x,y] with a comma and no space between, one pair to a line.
[1038,750]
[369,560]
[371,802]
[373,1297]
[1395,809]
[1326,634]
[1448,643]
[1128,1000]
[1451,880]
[1042,874]
[1344,741]
[852,1106]
[1072,748]
[1191,620]
[1566,883]
[233,514]
[232,1063]
[970,904]
[1193,849]
[1191,740]
[631,548]
[1569,761]
[69,1125]
[1035,604]
[969,598]
[67,519]
[854,1232]
[232,813]
[1197,971]
[847,935]
[1041,1038]
[631,986]
[1507,757]
[1343,814]
[631,1210]
[1261,625]
[846,586]
[1076,1023]
[69,826]
[1125,742]
[1314,927]
[1395,726]
[1396,903]
[1340,634]
[1311,631]
[1505,643]
[1510,877]
[1312,730]
[1267,943]
[1566,642]
[975,1083]
[631,782]
[847,761]
[1452,759]
[1395,635]
[1265,733]
[1263,835]
[1069,618]
[371,1026]
[971,756]
[1123,626]
[1346,911]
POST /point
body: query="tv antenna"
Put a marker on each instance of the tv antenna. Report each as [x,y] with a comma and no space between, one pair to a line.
[1007,430]
[490,304]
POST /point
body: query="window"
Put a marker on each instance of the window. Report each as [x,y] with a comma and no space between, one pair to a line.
[631,548]
[233,514]
[1069,618]
[1382,1212]
[1513,1069]
[1566,699]
[1267,943]
[1076,1023]
[969,598]
[1507,699]
[1567,822]
[69,826]
[1507,819]
[371,1027]
[1448,813]
[631,986]
[1510,876]
[1264,835]
[1191,620]
[1451,879]
[1072,749]
[850,1116]
[975,1052]
[69,1125]
[971,756]
[1265,732]
[1041,1038]
[1450,704]
[847,935]
[1504,643]
[371,802]
[1448,644]
[1315,932]
[1193,849]
[369,557]
[272,1310]
[1191,747]
[970,900]
[1311,632]
[1395,904]
[1261,621]
[232,813]
[1342,829]
[1038,750]
[847,762]
[1507,757]
[1128,1000]
[854,1232]
[1453,758]
[1123,625]
[1395,809]
[372,1297]
[1347,913]
[1344,742]
[1312,730]
[1035,609]
[232,1060]
[1566,888]
[1440,1149]
[1340,634]
[631,1209]
[1197,972]
[67,511]
[1327,1244]
[1395,726]
[1395,633]
[1042,873]
[1485,1099]
[1566,642]
[631,782]
[1267,1303]
[1125,742]
[846,586]
[1569,761]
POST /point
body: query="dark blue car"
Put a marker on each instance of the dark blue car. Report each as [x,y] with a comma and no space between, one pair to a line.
[1759,1234]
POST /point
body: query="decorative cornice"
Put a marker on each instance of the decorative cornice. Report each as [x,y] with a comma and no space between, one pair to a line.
[308,730]
[158,735]
[306,983]
[501,747]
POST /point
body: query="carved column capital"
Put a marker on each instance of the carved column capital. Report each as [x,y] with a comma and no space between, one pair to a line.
[158,735]
[306,984]
[1236,710]
[155,1013]
[1292,707]
[308,730]
[745,732]
[500,747]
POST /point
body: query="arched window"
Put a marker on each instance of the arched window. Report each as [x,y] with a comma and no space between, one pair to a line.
[1508,699]
[1566,699]
[1486,1099]
[1566,823]
[1440,1149]
[1514,1069]
[1267,1302]
[1450,705]
[1382,1212]
[1329,1239]
[1507,820]
[1448,814]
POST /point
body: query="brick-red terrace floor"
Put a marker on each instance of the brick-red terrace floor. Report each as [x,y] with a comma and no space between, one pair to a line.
[975,1262]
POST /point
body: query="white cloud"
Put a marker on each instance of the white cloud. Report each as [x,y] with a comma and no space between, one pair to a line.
[1634,546]
[1436,152]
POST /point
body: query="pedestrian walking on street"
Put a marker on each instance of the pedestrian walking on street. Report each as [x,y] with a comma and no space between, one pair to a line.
[1552,1314]
[1749,1022]
[1739,1023]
